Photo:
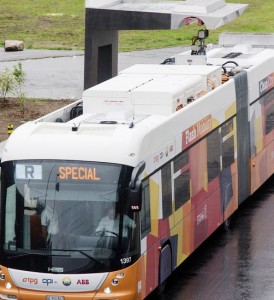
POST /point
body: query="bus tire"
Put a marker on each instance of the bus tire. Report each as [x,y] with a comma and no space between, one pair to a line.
[165,267]
[226,224]
[161,288]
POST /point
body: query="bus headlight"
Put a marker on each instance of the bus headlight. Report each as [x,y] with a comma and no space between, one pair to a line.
[107,290]
[8,285]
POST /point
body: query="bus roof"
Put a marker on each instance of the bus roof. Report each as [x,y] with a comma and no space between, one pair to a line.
[142,112]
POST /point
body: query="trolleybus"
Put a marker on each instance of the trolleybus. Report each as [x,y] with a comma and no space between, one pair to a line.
[104,198]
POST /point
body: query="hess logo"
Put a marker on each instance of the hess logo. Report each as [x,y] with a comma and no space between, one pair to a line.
[83,281]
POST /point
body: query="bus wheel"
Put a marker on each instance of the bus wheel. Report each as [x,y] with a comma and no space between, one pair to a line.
[165,268]
[227,223]
[161,288]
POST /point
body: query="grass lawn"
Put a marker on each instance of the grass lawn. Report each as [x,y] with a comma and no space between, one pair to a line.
[59,24]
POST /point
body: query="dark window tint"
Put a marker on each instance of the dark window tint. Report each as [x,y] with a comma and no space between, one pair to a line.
[145,213]
[269,119]
[228,152]
[166,190]
[180,161]
[213,155]
[182,190]
[227,128]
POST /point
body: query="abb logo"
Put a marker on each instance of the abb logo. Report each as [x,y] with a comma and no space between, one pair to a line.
[83,281]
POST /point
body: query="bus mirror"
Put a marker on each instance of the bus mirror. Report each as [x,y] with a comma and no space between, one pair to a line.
[135,197]
[135,187]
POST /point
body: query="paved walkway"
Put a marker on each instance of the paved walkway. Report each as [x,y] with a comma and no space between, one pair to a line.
[57,74]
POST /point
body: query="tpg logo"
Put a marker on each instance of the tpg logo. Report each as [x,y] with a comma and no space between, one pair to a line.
[30,280]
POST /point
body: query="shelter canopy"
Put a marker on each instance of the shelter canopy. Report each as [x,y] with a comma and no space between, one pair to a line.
[170,14]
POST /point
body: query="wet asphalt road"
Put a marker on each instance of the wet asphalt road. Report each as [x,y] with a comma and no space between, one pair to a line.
[237,264]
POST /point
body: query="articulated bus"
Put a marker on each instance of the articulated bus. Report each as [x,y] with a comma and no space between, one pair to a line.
[104,198]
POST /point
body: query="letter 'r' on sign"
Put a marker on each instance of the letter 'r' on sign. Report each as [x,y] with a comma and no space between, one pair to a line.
[28,172]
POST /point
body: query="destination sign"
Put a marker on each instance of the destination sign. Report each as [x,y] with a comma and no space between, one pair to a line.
[78,173]
[60,171]
[28,171]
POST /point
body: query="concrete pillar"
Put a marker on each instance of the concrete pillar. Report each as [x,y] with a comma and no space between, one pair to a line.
[101,56]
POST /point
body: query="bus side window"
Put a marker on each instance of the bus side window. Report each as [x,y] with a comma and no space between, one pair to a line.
[181,180]
[269,111]
[227,132]
[145,212]
[166,190]
[213,155]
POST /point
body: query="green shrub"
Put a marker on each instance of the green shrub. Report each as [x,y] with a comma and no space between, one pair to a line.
[11,83]
[19,76]
[7,83]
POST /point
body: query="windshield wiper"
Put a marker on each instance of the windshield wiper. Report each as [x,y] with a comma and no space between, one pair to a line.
[92,258]
[44,252]
[49,253]
[25,255]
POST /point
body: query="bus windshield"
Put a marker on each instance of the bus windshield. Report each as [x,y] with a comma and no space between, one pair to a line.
[66,217]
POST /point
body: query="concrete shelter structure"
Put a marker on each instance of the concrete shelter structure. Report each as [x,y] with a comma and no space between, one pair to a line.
[104,18]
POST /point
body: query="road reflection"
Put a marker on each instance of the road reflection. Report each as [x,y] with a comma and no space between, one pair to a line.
[233,264]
